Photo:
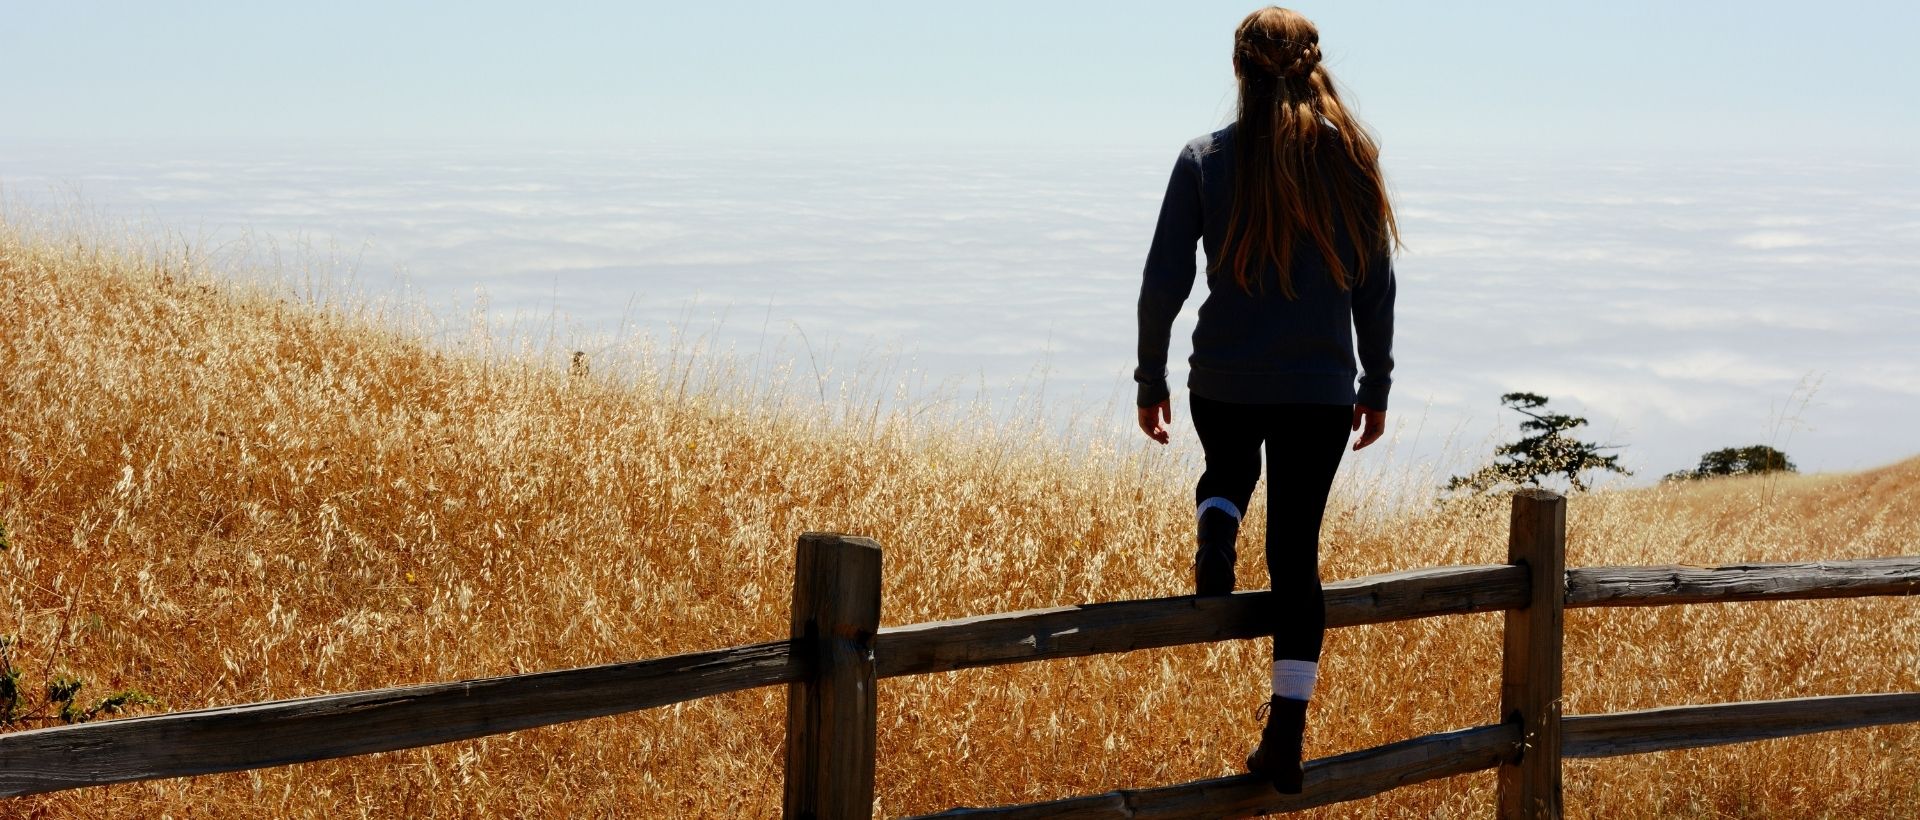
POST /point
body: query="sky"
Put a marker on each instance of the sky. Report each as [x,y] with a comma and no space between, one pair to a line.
[1708,75]
[1695,224]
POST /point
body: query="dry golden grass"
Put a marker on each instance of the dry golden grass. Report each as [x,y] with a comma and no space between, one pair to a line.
[221,493]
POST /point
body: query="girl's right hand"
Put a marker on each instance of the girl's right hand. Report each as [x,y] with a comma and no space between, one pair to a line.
[1375,422]
[1154,420]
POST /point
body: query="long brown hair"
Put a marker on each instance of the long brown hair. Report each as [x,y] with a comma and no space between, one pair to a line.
[1301,159]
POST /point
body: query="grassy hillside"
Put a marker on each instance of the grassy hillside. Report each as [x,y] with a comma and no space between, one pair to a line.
[221,494]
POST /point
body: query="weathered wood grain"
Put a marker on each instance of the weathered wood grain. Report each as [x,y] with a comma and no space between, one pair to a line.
[1529,786]
[257,735]
[1329,780]
[831,710]
[1675,584]
[1687,727]
[1121,626]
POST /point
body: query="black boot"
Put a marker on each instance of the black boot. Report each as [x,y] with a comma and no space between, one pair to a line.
[1277,758]
[1213,561]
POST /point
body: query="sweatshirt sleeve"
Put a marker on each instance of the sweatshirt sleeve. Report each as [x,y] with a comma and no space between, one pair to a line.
[1168,276]
[1373,325]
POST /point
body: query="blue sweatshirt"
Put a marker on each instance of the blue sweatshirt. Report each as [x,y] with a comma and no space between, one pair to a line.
[1262,347]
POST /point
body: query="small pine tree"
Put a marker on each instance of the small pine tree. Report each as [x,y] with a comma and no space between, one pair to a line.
[1546,452]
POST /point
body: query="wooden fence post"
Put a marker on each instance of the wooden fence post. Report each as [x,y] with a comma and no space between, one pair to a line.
[1530,677]
[830,712]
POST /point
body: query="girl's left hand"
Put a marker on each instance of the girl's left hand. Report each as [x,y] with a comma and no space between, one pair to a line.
[1154,420]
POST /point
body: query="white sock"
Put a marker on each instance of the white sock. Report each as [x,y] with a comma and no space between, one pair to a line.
[1294,679]
[1221,503]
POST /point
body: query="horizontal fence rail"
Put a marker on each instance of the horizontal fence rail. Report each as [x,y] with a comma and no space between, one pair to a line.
[1124,626]
[1365,773]
[1152,623]
[1337,779]
[250,736]
[1717,724]
[274,733]
[1669,585]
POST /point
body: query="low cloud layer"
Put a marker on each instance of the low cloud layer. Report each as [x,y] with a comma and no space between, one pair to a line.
[1681,305]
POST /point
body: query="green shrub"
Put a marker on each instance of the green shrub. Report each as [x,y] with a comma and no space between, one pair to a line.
[1753,458]
[61,697]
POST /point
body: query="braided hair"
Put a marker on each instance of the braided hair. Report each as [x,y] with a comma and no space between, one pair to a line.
[1306,167]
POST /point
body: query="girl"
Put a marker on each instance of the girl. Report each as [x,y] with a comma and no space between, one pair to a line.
[1290,207]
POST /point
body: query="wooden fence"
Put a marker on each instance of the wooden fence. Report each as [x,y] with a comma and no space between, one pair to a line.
[837,651]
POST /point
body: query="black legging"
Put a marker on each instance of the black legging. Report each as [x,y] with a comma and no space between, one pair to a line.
[1304,445]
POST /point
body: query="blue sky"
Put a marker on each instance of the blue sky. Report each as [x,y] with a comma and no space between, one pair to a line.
[1763,76]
